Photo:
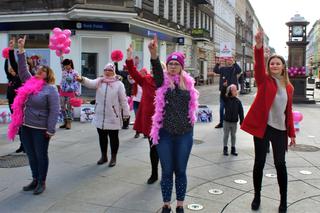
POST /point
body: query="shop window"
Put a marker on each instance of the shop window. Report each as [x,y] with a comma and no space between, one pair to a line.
[137,43]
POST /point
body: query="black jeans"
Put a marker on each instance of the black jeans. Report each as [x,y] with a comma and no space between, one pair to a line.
[36,145]
[279,140]
[103,140]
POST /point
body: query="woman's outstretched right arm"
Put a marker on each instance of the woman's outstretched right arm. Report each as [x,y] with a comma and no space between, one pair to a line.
[23,71]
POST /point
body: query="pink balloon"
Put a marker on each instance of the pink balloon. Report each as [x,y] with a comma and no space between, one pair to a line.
[57,30]
[58,53]
[52,46]
[62,38]
[66,50]
[53,39]
[60,46]
[67,32]
[297,116]
[67,42]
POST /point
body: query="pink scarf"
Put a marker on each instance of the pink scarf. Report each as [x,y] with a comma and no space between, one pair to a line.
[160,103]
[107,80]
[31,86]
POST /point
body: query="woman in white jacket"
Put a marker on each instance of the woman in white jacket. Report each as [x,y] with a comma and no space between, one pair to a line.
[110,100]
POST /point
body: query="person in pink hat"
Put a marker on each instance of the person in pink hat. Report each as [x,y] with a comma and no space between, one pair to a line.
[172,123]
[111,100]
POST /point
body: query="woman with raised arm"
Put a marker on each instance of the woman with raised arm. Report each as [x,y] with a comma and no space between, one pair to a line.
[172,124]
[270,119]
[35,111]
[110,99]
[145,111]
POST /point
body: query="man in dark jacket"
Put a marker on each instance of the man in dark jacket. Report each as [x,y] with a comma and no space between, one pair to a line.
[228,71]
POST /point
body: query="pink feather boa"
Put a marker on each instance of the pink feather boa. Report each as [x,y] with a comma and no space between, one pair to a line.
[31,86]
[157,118]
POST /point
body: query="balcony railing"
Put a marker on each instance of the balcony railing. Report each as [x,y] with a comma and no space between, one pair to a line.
[200,33]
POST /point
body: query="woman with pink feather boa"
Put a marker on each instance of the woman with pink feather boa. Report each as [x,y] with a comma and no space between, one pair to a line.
[172,124]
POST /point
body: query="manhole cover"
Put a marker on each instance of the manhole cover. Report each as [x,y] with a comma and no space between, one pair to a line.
[239,181]
[271,175]
[304,148]
[12,161]
[197,141]
[195,207]
[215,191]
[305,172]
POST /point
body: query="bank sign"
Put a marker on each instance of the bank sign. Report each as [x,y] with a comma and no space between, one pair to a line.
[225,50]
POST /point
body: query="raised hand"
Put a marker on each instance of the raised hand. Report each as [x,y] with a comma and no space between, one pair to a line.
[129,52]
[259,38]
[153,47]
[21,42]
[12,42]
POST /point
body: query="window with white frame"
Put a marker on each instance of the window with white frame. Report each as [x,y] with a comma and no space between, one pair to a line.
[188,14]
[166,9]
[203,21]
[174,11]
[182,12]
[138,3]
[156,7]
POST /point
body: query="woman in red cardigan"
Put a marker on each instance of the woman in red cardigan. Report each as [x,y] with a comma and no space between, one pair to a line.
[145,111]
[270,119]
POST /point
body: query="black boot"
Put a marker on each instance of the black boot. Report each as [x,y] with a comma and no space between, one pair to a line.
[233,151]
[179,209]
[166,209]
[113,160]
[31,186]
[103,159]
[225,151]
[154,164]
[282,177]
[40,188]
[283,206]
[256,202]
[21,149]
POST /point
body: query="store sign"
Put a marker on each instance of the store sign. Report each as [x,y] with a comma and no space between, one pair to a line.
[180,40]
[225,49]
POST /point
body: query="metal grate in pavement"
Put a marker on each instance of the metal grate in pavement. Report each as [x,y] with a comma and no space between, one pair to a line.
[13,161]
[304,148]
[197,141]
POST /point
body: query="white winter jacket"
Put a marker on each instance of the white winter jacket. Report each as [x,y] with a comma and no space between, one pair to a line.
[110,100]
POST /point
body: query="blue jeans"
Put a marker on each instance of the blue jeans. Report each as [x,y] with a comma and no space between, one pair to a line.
[36,145]
[221,110]
[174,151]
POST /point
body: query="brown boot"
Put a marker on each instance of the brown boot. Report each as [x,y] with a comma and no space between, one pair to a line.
[68,124]
[64,124]
[113,160]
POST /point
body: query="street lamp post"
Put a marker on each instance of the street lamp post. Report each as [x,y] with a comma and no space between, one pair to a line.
[242,89]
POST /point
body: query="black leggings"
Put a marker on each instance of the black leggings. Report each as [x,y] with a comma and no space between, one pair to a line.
[278,139]
[154,158]
[103,139]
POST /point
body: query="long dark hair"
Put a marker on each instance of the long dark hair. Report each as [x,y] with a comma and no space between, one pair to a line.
[284,72]
[68,62]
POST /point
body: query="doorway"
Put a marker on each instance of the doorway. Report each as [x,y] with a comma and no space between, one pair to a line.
[89,70]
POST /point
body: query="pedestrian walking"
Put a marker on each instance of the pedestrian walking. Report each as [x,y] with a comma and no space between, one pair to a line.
[145,111]
[233,112]
[14,82]
[110,101]
[172,124]
[35,110]
[270,118]
[228,71]
[69,88]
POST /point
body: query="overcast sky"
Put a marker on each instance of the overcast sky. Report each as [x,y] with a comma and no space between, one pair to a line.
[273,14]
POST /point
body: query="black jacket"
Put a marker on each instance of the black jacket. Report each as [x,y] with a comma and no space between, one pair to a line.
[233,107]
[227,73]
[125,81]
[14,82]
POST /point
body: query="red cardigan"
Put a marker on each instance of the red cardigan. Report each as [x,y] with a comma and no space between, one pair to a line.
[145,111]
[256,120]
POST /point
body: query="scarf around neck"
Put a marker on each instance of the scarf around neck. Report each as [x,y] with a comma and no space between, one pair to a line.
[31,87]
[107,80]
[160,102]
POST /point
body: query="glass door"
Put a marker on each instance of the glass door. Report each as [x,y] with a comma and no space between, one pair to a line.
[89,70]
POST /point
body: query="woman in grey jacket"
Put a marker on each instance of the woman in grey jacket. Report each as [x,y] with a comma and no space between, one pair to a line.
[110,100]
[35,109]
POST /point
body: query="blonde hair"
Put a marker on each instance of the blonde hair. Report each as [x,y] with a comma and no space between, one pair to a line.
[51,78]
[284,73]
[182,84]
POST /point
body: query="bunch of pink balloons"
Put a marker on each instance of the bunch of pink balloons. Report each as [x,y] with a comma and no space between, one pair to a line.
[297,117]
[60,41]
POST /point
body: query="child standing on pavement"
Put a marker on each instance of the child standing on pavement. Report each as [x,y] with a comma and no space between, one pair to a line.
[233,112]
